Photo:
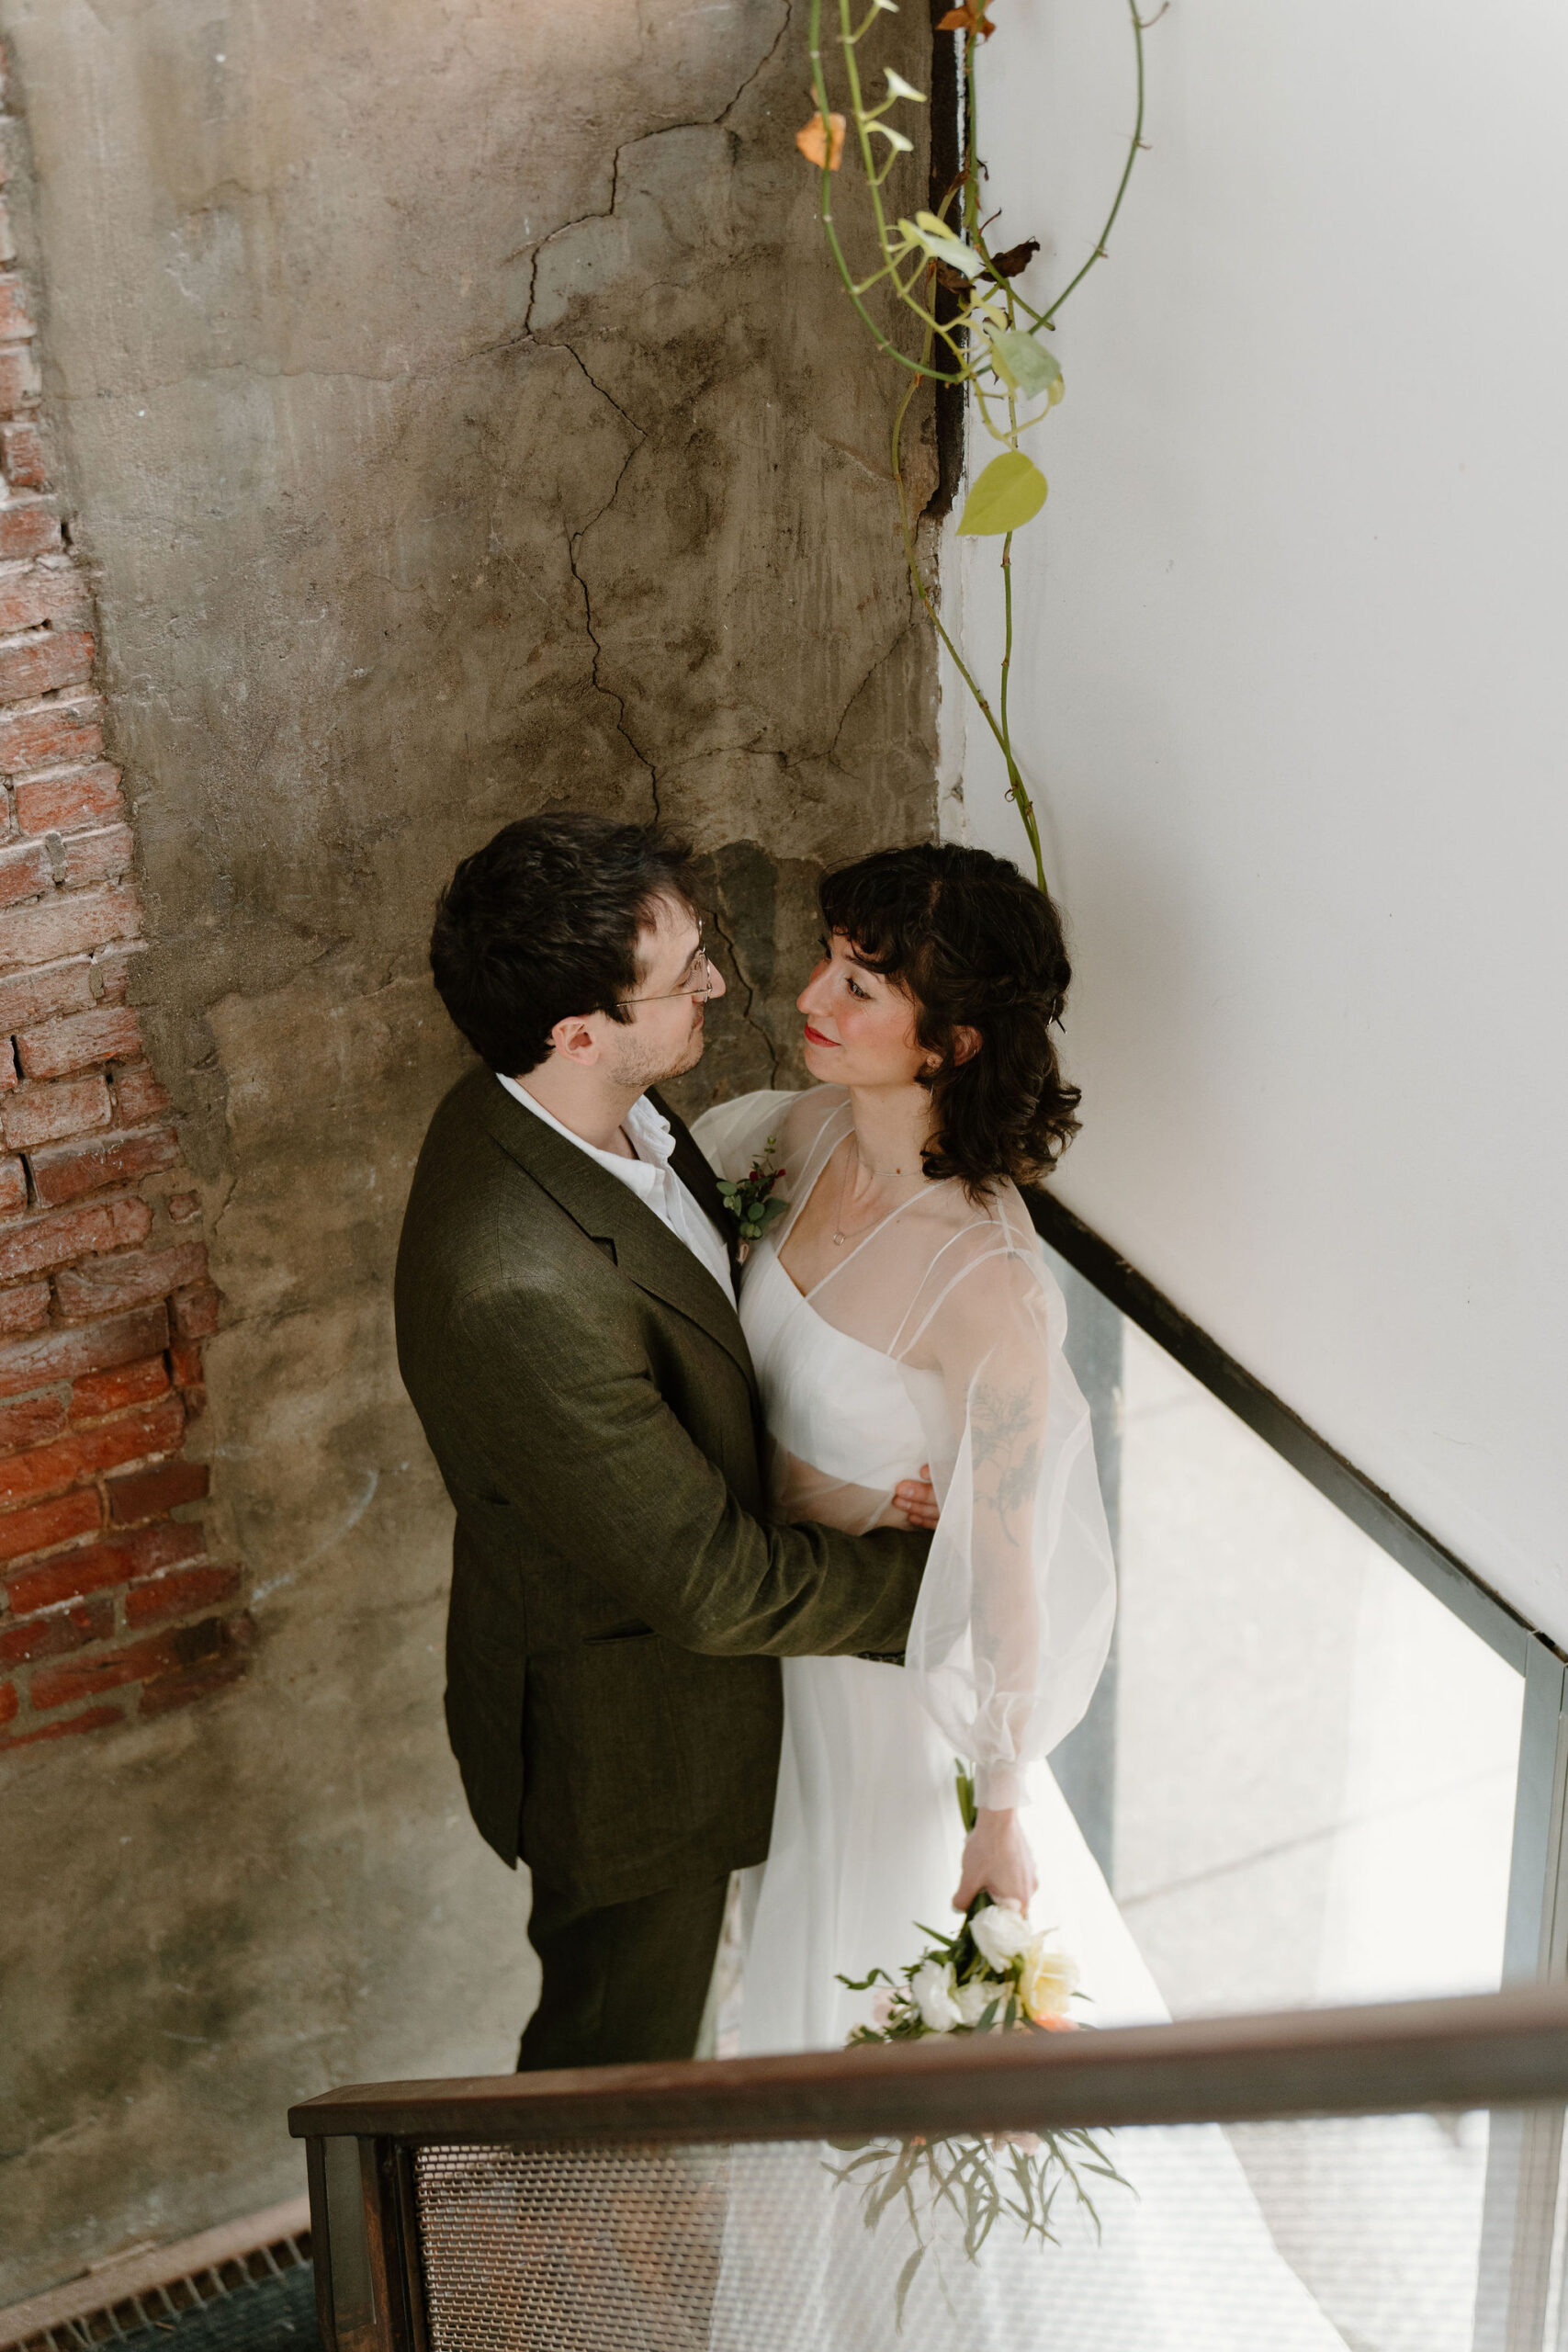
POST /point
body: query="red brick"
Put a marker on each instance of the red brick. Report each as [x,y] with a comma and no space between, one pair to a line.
[102,855]
[71,1574]
[68,1169]
[13,1188]
[28,525]
[180,1595]
[25,1308]
[34,594]
[23,1532]
[19,381]
[64,925]
[25,872]
[108,1286]
[183,1207]
[43,660]
[21,452]
[65,799]
[221,1659]
[184,1364]
[51,1108]
[111,969]
[52,988]
[7,1065]
[67,1629]
[139,1095]
[15,318]
[106,1034]
[46,1241]
[92,1719]
[195,1311]
[190,1646]
[93,1347]
[7,1702]
[50,734]
[149,1493]
[111,1392]
[137,1436]
[31,1421]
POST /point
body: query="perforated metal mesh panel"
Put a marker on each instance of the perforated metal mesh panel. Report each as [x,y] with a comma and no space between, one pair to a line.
[1282,2237]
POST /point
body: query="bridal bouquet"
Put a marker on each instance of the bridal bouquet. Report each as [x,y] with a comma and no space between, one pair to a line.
[994,1975]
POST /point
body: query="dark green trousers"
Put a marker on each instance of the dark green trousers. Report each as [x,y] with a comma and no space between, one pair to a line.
[623,1984]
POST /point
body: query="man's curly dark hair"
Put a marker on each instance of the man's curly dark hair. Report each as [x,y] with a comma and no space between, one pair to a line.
[542,923]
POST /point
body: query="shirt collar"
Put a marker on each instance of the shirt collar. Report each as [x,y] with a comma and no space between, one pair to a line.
[651,1137]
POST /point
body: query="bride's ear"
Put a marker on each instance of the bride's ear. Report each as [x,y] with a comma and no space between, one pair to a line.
[965,1045]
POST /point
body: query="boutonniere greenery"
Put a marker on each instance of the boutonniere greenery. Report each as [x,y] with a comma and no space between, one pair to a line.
[751,1200]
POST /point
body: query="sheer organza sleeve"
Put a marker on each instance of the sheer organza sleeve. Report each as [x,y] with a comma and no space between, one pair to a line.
[731,1134]
[1016,1608]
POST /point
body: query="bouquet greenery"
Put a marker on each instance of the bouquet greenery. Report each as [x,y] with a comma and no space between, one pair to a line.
[994,1975]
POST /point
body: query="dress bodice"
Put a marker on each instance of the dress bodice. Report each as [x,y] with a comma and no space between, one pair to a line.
[830,1399]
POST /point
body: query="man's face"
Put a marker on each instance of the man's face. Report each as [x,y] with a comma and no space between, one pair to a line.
[664,1036]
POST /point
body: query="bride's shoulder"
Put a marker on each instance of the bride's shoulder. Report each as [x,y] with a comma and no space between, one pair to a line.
[983,1255]
[743,1127]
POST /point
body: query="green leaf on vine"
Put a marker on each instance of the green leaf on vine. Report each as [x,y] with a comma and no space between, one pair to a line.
[1026,365]
[1010,493]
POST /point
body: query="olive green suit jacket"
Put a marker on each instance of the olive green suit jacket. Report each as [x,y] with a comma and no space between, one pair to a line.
[618,1604]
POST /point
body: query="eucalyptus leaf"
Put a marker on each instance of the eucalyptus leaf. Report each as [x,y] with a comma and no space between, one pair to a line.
[1010,493]
[1026,365]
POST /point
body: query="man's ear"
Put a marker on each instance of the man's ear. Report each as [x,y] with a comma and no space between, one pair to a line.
[576,1039]
[965,1045]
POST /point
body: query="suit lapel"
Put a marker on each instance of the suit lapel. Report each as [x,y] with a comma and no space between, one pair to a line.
[699,1180]
[646,1251]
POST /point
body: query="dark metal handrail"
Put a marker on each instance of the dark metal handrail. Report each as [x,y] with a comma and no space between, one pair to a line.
[1484,2049]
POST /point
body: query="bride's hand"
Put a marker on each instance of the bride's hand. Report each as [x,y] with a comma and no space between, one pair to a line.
[997,1857]
[913,1502]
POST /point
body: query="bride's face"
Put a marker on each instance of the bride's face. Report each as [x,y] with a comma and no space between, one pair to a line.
[859,1029]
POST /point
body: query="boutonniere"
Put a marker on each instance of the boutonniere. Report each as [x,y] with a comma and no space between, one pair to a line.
[751,1201]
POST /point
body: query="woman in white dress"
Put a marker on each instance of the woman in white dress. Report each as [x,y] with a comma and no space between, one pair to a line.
[900,1311]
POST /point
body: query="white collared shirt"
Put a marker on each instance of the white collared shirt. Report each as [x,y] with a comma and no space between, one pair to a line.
[650,1177]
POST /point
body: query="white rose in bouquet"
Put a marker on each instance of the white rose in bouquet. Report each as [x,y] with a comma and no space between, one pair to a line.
[1002,1933]
[1046,1984]
[933,1988]
[975,1997]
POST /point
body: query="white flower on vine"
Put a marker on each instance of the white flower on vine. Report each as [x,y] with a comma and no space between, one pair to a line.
[895,139]
[898,88]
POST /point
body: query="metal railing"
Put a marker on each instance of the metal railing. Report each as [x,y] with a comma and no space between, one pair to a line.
[597,2198]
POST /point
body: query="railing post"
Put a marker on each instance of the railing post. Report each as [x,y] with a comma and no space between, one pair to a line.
[1525,2145]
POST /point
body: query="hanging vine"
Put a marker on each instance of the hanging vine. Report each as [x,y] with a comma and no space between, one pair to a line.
[976,329]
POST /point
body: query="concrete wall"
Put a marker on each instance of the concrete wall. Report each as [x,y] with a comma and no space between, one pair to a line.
[1289,682]
[459,417]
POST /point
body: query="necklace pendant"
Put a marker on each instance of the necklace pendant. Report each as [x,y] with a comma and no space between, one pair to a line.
[837,1241]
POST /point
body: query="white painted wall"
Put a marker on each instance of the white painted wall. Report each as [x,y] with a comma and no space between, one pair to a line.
[1289,683]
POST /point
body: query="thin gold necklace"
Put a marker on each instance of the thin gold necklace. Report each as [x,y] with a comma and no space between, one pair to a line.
[852,1155]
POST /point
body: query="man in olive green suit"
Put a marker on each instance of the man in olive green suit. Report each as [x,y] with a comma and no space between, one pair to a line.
[567,1330]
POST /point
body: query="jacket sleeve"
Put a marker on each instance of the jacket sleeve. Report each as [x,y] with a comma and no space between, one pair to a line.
[578,1439]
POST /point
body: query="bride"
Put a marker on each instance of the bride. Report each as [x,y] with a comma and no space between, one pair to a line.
[899,1310]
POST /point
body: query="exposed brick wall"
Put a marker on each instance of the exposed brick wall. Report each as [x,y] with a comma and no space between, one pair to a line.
[108,1604]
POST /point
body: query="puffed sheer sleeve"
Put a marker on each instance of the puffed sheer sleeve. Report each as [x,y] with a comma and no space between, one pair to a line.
[731,1134]
[1016,1608]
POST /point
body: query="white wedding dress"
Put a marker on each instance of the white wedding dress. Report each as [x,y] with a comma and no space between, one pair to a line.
[938,1338]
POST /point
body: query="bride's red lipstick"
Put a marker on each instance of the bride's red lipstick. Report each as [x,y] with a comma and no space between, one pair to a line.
[815,1037]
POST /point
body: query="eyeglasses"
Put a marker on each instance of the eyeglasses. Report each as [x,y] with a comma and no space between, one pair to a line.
[700,989]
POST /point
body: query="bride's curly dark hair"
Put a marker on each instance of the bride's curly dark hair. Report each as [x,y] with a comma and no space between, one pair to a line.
[974,945]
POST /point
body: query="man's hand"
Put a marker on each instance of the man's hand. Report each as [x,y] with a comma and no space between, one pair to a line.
[997,1857]
[914,1502]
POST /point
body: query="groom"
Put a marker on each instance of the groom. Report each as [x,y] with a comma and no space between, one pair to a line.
[567,1330]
